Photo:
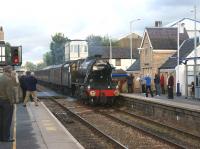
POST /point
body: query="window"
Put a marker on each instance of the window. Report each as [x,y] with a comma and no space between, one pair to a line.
[81,48]
[76,48]
[71,48]
[2,55]
[85,48]
[118,62]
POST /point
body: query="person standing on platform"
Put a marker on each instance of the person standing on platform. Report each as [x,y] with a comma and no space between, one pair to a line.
[130,83]
[170,86]
[148,85]
[22,81]
[192,89]
[162,83]
[157,84]
[30,83]
[143,82]
[8,80]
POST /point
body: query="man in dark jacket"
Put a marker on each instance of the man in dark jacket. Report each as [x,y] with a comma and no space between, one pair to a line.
[22,81]
[170,87]
[30,83]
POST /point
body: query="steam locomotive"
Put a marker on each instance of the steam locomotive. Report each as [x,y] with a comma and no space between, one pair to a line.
[88,79]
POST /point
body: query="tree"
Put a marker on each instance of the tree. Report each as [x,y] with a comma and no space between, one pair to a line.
[30,66]
[47,58]
[100,41]
[41,66]
[57,47]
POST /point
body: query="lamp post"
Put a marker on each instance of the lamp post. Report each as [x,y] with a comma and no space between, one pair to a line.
[179,30]
[195,51]
[110,40]
[131,45]
[178,83]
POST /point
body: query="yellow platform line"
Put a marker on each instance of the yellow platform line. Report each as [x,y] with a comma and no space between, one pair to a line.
[14,127]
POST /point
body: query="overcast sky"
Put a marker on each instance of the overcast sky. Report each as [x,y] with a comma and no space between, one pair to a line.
[31,23]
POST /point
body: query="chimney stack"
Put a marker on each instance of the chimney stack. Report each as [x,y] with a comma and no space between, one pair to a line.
[1,34]
[158,23]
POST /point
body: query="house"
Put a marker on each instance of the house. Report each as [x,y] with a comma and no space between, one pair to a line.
[188,25]
[185,71]
[124,42]
[157,45]
[120,58]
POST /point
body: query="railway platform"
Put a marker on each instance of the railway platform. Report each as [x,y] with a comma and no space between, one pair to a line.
[178,101]
[182,112]
[34,127]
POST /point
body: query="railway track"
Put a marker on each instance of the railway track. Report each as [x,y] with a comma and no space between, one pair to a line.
[155,129]
[104,119]
[87,134]
[130,137]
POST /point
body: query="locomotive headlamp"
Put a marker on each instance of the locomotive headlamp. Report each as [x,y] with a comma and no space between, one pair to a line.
[108,86]
[116,93]
[92,93]
[95,68]
[88,87]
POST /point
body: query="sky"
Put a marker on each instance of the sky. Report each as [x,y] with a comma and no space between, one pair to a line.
[31,23]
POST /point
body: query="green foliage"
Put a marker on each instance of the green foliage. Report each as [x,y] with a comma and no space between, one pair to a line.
[41,66]
[57,47]
[30,66]
[47,58]
[100,41]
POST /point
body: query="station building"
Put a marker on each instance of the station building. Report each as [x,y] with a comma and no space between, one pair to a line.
[158,54]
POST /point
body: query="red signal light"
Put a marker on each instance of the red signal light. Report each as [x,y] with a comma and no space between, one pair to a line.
[15,56]
[16,60]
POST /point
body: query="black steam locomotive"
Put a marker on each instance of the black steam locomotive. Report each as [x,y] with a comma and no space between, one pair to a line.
[88,79]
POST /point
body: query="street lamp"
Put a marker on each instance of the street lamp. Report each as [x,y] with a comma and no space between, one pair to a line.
[131,45]
[195,51]
[179,30]
[110,41]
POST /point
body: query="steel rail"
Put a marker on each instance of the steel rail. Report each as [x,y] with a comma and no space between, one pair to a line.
[110,139]
[158,123]
[142,130]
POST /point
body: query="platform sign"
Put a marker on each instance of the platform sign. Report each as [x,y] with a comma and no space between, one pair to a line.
[2,55]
